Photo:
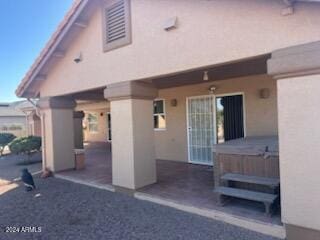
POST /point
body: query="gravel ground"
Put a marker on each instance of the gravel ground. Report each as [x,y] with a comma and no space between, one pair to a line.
[10,167]
[66,210]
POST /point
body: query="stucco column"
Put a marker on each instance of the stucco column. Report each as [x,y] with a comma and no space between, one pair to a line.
[298,72]
[58,132]
[78,129]
[133,153]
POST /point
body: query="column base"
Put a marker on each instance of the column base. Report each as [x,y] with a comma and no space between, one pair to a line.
[298,233]
[124,190]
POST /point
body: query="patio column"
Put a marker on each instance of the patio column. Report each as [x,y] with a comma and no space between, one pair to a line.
[298,72]
[78,129]
[133,153]
[58,132]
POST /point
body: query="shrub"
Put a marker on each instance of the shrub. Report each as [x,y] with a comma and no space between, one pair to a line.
[5,139]
[25,145]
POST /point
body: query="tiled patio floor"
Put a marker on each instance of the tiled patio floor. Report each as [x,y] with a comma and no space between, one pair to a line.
[193,185]
[98,165]
[183,183]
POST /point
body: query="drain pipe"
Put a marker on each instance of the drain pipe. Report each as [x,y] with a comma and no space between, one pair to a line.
[43,132]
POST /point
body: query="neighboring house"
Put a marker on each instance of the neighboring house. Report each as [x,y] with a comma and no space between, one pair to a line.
[167,71]
[12,119]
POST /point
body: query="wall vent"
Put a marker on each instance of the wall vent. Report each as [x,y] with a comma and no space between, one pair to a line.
[117,25]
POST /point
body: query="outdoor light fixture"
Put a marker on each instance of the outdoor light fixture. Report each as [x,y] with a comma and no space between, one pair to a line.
[205,76]
[170,24]
[174,102]
[264,93]
[78,58]
[212,89]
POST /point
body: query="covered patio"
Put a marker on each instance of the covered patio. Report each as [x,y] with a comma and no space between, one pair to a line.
[173,161]
[98,165]
[178,182]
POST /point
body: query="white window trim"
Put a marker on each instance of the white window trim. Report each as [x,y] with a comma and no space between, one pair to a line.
[161,114]
[121,42]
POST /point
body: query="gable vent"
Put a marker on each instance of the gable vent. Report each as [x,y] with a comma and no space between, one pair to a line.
[117,32]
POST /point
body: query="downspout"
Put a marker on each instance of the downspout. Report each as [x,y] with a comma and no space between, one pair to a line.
[43,132]
[27,123]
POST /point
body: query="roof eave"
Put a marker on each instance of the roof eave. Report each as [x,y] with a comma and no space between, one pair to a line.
[50,48]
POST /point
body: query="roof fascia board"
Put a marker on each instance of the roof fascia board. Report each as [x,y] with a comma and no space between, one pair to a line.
[55,45]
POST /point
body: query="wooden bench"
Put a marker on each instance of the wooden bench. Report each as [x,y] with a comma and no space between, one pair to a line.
[271,182]
[266,198]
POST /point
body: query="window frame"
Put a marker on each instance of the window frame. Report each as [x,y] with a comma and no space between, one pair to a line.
[160,114]
[90,123]
[127,40]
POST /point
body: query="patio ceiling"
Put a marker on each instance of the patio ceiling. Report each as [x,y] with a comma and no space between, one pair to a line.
[246,67]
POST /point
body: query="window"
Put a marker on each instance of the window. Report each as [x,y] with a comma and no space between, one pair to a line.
[93,122]
[159,116]
[116,24]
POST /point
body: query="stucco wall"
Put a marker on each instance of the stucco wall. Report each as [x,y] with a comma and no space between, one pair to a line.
[209,32]
[33,125]
[299,136]
[59,139]
[9,121]
[260,114]
[133,147]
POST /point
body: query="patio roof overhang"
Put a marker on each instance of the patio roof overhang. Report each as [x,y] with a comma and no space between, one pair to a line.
[244,67]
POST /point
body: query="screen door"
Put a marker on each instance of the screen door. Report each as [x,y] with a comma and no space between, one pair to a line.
[201,129]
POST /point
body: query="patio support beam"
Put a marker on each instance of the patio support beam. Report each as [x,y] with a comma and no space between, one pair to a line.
[298,72]
[133,153]
[78,129]
[58,132]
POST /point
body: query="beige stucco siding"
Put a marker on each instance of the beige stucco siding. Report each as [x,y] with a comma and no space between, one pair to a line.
[11,121]
[260,114]
[7,121]
[209,32]
[33,125]
[299,150]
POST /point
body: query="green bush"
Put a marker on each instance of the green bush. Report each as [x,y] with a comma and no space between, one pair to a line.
[5,139]
[25,145]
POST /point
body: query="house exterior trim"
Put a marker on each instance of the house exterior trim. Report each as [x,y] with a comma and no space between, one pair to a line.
[56,103]
[130,90]
[300,60]
[78,114]
[298,233]
[51,46]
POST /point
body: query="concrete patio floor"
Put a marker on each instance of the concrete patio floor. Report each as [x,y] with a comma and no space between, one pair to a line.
[183,183]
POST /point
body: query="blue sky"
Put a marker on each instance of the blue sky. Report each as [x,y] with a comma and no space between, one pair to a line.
[25,27]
